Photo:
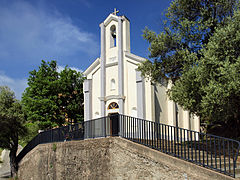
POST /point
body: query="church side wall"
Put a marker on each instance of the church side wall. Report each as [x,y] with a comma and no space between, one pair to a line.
[148,101]
[96,94]
[163,111]
[130,90]
[181,118]
[161,106]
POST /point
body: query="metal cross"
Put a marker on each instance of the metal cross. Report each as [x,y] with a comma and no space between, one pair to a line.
[115,11]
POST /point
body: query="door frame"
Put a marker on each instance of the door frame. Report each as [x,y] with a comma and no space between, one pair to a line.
[111,124]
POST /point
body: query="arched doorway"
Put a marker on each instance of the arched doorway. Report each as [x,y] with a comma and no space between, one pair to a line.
[114,119]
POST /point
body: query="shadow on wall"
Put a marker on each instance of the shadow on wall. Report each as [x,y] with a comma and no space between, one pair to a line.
[158,108]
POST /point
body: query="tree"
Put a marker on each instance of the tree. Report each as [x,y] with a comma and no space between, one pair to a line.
[53,97]
[189,25]
[11,123]
[211,88]
[182,53]
[71,94]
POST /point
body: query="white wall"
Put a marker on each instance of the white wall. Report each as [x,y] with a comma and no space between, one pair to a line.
[96,92]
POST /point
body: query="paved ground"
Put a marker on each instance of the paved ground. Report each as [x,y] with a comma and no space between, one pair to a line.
[5,166]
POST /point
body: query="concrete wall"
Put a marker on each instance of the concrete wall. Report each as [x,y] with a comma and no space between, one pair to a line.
[106,158]
[88,159]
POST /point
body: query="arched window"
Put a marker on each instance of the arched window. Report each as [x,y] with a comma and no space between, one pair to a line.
[113,105]
[113,36]
[113,85]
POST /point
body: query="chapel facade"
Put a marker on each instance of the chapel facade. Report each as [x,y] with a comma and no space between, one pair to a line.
[113,84]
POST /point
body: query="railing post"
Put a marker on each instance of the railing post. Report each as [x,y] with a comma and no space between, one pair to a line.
[51,135]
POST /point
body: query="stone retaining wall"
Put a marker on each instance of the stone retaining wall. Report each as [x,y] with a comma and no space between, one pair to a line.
[106,158]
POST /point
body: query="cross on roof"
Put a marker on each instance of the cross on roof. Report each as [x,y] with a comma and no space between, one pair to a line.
[115,11]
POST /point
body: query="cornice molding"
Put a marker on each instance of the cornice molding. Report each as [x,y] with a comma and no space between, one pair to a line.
[91,67]
[111,64]
[111,97]
[134,57]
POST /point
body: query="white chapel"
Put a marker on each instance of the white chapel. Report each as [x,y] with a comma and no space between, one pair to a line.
[113,84]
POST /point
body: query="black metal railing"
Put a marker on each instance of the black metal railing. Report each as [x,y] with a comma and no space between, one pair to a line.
[214,152]
[64,133]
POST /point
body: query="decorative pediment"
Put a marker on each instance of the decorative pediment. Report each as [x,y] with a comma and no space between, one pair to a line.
[110,18]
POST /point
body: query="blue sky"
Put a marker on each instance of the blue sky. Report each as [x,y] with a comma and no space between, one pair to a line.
[66,31]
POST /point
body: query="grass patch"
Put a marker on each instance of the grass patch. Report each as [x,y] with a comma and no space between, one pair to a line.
[51,165]
[13,178]
[0,155]
[54,147]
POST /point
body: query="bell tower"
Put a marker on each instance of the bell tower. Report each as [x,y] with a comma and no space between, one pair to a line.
[115,40]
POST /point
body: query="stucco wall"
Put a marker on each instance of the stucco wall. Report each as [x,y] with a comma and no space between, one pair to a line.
[106,158]
[161,104]
[130,87]
[95,102]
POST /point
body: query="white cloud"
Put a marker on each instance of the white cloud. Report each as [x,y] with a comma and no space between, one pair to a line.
[16,85]
[60,68]
[29,33]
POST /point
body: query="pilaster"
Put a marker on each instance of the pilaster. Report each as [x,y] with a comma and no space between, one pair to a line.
[120,65]
[186,120]
[140,95]
[87,88]
[102,66]
[171,109]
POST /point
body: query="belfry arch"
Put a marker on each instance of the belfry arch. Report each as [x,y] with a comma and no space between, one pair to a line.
[113,36]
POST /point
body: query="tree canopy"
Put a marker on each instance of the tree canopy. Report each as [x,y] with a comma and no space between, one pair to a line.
[11,123]
[211,88]
[198,51]
[53,98]
[189,25]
